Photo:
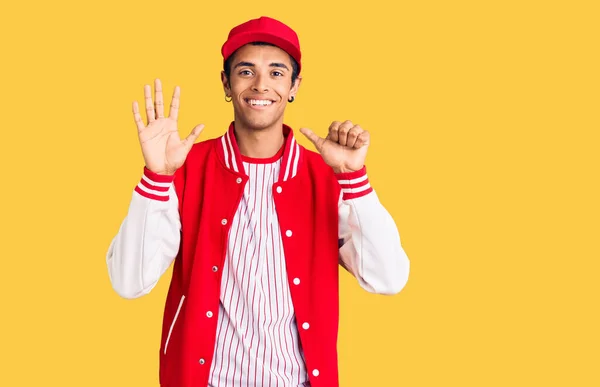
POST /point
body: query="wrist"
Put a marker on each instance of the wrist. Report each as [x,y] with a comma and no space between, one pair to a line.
[155,186]
[338,170]
[354,184]
[159,173]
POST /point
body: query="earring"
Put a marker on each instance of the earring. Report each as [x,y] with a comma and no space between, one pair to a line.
[228,100]
[291,99]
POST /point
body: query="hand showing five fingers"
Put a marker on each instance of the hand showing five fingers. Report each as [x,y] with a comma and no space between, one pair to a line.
[345,147]
[163,150]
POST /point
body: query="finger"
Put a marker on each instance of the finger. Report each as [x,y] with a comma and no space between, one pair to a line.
[174,108]
[191,138]
[316,140]
[364,139]
[149,104]
[137,117]
[343,132]
[158,99]
[333,131]
[353,134]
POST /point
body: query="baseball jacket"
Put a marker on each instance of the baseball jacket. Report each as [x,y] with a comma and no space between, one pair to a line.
[326,220]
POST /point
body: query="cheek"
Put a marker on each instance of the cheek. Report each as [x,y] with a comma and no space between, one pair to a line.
[236,89]
[282,91]
[237,85]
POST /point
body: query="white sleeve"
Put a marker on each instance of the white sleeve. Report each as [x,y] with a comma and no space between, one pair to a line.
[148,239]
[370,247]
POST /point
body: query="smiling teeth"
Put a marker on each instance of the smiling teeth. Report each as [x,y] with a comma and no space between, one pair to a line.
[259,102]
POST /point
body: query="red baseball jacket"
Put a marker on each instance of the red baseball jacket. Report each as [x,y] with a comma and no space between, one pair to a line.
[326,219]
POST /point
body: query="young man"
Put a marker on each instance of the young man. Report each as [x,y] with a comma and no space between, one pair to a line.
[256,226]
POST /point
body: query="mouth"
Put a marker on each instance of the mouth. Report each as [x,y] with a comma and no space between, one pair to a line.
[259,104]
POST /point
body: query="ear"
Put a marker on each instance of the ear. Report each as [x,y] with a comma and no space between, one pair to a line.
[296,86]
[226,85]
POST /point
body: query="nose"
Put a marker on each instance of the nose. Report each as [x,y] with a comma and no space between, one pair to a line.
[259,85]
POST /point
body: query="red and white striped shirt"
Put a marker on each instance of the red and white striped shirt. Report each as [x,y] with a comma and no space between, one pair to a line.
[257,337]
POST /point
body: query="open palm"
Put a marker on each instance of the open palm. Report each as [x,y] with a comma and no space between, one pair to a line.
[163,150]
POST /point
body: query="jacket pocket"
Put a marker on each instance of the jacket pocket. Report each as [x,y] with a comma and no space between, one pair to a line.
[173,323]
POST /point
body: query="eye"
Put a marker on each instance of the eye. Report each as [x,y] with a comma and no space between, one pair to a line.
[277,73]
[245,72]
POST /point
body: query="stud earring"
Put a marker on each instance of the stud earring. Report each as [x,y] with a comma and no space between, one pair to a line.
[291,99]
[228,100]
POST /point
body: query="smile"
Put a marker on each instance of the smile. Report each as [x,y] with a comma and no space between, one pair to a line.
[258,103]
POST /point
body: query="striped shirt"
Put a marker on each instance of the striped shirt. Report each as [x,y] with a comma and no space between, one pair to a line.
[257,342]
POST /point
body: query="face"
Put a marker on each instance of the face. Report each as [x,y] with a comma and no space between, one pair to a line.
[260,84]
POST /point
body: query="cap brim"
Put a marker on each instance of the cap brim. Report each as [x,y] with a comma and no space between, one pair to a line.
[242,39]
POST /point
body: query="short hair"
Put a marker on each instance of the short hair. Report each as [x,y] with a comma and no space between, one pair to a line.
[227,64]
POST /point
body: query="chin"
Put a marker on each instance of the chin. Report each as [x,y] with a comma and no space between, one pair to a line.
[257,119]
[259,123]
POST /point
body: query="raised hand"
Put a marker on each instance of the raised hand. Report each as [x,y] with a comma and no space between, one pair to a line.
[345,147]
[164,151]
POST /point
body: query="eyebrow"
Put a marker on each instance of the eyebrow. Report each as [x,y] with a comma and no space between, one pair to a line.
[280,65]
[250,64]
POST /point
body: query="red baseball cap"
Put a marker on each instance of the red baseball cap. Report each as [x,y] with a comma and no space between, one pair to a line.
[263,29]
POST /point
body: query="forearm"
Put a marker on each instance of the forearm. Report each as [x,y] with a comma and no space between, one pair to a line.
[372,249]
[148,238]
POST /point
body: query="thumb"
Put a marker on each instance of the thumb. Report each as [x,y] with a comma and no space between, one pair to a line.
[191,138]
[316,140]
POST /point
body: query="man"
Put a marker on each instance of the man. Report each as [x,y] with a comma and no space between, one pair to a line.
[256,226]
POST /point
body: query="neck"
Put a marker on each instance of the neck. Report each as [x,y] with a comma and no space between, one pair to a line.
[259,144]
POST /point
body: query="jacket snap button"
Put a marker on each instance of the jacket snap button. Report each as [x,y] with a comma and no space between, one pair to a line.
[316,372]
[279,189]
[224,222]
[238,180]
[306,325]
[201,361]
[288,233]
[296,281]
[209,314]
[214,268]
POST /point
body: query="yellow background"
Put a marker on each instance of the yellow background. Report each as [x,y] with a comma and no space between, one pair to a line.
[484,119]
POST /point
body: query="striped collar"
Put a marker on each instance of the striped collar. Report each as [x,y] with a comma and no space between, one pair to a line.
[229,153]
